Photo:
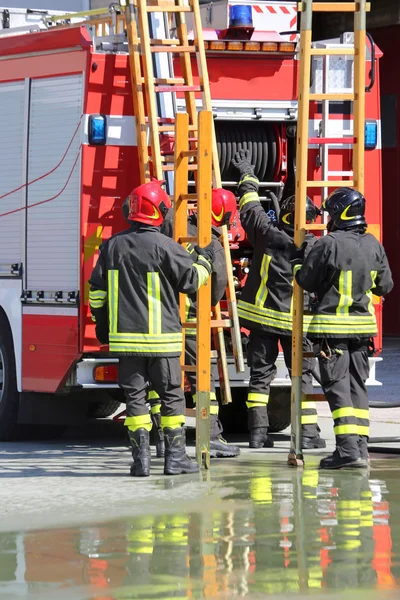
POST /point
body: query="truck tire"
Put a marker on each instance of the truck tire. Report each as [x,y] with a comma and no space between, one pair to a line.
[103,408]
[279,409]
[9,395]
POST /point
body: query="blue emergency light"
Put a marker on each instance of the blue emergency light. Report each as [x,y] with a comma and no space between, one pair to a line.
[371,135]
[240,16]
[97,130]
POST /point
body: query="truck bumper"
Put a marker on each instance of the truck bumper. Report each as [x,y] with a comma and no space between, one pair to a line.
[86,366]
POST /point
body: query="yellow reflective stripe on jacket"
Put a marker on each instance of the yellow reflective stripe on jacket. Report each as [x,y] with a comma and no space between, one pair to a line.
[346,411]
[247,178]
[97,298]
[155,409]
[371,308]
[152,395]
[202,272]
[262,292]
[308,405]
[268,316]
[366,326]
[214,409]
[113,300]
[248,197]
[146,337]
[345,291]
[154,300]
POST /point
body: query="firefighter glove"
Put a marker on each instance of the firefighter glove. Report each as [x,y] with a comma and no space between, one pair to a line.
[206,256]
[298,255]
[242,161]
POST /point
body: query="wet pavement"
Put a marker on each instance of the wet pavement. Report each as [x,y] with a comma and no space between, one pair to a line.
[75,526]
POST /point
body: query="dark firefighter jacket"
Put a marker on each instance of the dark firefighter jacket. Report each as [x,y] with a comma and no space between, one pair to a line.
[219,277]
[345,269]
[136,281]
[266,300]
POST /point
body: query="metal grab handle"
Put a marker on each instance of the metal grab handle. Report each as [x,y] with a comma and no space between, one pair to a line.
[372,71]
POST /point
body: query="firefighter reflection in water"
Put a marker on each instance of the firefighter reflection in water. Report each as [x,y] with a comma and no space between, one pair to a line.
[133,301]
[265,305]
[344,269]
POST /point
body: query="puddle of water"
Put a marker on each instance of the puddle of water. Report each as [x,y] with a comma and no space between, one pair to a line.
[278,532]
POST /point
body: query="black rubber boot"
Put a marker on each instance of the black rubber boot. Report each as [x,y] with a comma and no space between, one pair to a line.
[310,443]
[219,448]
[259,438]
[336,461]
[140,442]
[363,446]
[158,435]
[176,459]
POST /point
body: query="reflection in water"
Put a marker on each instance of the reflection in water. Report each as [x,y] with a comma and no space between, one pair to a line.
[279,531]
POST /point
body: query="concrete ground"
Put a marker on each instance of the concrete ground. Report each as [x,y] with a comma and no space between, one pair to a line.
[83,481]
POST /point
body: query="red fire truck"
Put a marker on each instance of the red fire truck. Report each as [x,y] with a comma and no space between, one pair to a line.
[68,156]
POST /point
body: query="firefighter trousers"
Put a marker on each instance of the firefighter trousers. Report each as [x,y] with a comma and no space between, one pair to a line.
[190,359]
[164,376]
[262,352]
[344,371]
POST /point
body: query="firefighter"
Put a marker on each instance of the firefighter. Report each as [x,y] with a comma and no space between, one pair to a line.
[133,298]
[222,212]
[344,269]
[265,305]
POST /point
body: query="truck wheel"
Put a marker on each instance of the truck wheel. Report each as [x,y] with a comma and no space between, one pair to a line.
[9,395]
[279,409]
[103,408]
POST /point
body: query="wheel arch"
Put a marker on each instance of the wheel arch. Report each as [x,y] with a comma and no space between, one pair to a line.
[11,310]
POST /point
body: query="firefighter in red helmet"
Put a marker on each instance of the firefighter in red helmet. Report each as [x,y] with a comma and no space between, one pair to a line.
[223,209]
[133,299]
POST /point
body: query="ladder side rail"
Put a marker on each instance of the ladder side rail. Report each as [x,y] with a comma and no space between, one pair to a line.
[180,203]
[360,42]
[148,74]
[203,339]
[207,103]
[295,453]
[137,91]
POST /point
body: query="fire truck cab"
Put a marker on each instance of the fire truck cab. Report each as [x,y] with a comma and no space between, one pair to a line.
[68,152]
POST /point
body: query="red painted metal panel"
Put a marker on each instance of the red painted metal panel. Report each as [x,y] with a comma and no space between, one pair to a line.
[62,63]
[109,86]
[45,41]
[387,39]
[49,349]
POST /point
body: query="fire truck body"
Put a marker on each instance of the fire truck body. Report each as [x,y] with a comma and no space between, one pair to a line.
[69,154]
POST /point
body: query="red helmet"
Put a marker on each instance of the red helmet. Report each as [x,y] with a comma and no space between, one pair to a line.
[149,203]
[223,207]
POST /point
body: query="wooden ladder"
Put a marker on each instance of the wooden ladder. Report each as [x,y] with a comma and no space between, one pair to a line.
[147,89]
[357,97]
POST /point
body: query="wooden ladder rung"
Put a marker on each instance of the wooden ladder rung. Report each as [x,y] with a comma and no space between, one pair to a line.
[165,42]
[186,240]
[215,323]
[166,128]
[174,49]
[168,8]
[166,80]
[178,88]
[171,167]
[315,227]
[338,97]
[314,398]
[321,140]
[330,184]
[189,368]
[332,52]
[334,6]
[189,197]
